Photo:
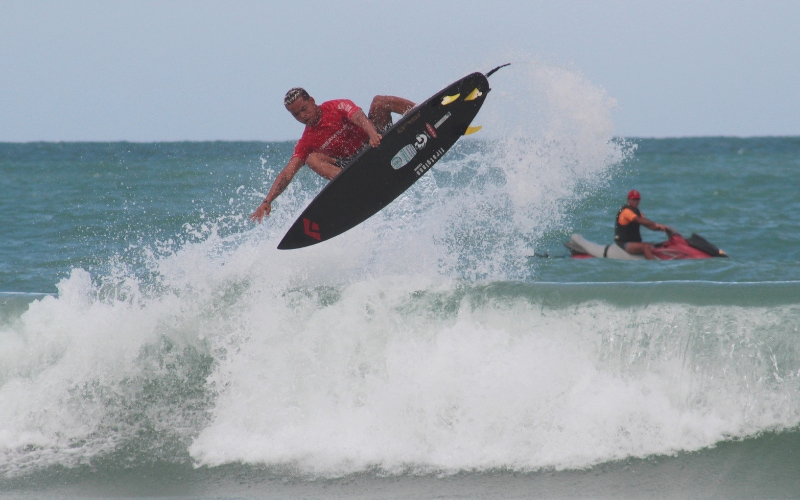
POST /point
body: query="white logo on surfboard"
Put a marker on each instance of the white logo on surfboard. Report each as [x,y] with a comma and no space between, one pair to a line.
[403,156]
[407,153]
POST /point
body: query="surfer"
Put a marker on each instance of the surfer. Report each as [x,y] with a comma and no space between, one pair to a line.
[335,133]
[626,227]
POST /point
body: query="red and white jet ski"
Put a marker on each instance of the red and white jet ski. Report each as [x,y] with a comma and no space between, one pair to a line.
[676,247]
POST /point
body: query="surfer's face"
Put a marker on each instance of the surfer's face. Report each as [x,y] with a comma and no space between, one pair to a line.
[305,111]
[634,202]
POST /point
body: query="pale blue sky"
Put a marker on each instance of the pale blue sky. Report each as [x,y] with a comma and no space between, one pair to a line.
[201,70]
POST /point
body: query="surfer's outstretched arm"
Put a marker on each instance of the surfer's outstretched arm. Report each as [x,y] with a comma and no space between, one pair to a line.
[281,181]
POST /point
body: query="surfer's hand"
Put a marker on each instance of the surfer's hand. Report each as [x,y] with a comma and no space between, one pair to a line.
[375,141]
[262,211]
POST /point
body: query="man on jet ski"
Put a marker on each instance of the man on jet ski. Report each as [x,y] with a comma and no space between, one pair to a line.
[626,227]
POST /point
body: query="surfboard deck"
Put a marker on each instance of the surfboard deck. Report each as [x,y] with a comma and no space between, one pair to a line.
[379,175]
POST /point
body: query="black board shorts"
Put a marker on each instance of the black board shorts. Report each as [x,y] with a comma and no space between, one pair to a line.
[347,160]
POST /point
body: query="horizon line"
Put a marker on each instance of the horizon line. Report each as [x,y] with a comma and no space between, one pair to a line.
[198,141]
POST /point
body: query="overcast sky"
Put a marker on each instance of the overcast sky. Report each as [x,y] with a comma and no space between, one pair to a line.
[206,70]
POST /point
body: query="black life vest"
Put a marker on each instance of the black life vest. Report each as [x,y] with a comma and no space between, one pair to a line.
[630,232]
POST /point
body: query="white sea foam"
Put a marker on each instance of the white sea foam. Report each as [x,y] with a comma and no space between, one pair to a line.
[385,378]
[397,372]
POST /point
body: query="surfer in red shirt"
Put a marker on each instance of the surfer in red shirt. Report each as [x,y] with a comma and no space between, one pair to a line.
[335,132]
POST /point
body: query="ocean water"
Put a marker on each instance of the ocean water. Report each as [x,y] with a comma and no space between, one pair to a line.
[154,342]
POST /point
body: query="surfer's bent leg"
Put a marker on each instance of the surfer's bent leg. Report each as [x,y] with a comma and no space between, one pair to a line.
[382,107]
[323,165]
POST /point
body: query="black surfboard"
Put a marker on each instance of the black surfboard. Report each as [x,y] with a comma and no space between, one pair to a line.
[379,175]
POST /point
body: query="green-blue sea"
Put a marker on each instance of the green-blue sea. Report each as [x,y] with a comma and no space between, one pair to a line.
[155,343]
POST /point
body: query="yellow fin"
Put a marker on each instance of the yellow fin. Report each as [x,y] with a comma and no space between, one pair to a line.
[472,130]
[450,98]
[473,95]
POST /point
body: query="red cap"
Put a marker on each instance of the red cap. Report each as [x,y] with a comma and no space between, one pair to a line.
[634,195]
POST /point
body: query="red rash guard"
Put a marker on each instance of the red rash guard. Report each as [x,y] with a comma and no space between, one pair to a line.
[334,135]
